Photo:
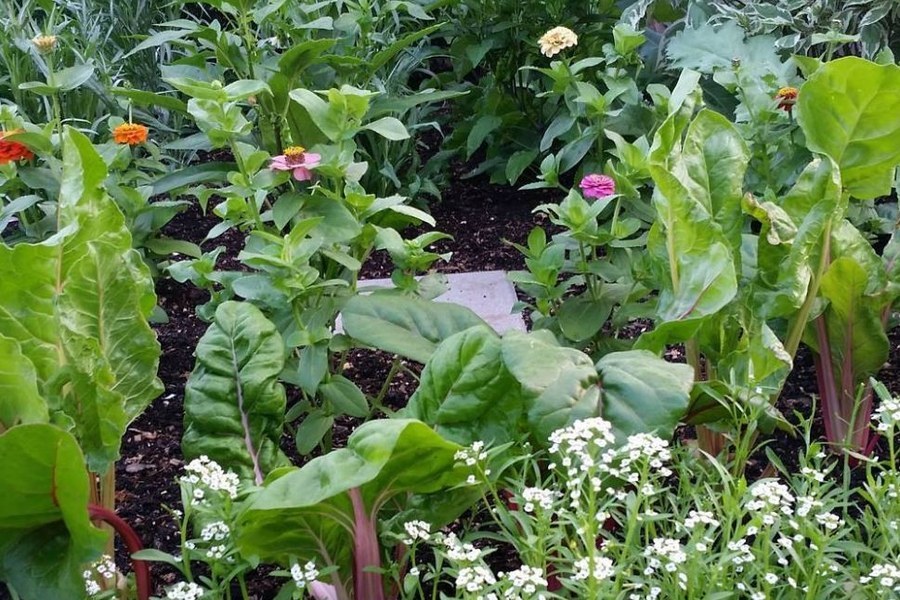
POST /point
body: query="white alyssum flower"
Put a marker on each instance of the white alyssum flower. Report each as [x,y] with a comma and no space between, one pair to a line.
[601,569]
[769,498]
[700,517]
[471,455]
[459,551]
[217,531]
[813,474]
[185,591]
[829,521]
[524,580]
[416,530]
[667,552]
[474,579]
[887,415]
[206,474]
[885,575]
[304,575]
[540,497]
[105,568]
[771,578]
[805,504]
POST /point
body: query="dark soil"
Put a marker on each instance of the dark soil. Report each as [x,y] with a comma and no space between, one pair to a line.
[479,217]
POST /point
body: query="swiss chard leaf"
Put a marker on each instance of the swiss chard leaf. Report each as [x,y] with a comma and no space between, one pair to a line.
[80,316]
[233,402]
[849,109]
[307,513]
[45,534]
[467,393]
[410,327]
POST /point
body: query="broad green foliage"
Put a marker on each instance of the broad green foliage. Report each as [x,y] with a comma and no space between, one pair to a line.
[792,236]
[410,327]
[306,514]
[21,401]
[478,387]
[79,316]
[233,402]
[698,203]
[849,109]
[466,392]
[45,534]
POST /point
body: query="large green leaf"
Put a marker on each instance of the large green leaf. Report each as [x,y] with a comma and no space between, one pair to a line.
[80,314]
[698,203]
[20,400]
[849,109]
[634,390]
[233,403]
[307,514]
[410,327]
[787,259]
[467,393]
[45,534]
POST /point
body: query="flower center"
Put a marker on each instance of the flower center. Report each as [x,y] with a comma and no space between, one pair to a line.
[294,151]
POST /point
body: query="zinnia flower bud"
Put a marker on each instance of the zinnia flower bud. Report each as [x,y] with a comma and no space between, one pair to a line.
[557,40]
[598,186]
[787,97]
[45,44]
[130,133]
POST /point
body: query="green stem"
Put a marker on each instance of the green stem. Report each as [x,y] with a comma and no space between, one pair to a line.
[796,333]
[251,201]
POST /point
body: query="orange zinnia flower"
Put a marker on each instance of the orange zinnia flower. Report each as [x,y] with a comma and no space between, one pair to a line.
[11,151]
[130,133]
[787,97]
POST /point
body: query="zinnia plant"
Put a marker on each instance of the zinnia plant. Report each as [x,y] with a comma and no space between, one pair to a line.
[598,186]
[297,160]
[11,151]
[130,133]
[556,40]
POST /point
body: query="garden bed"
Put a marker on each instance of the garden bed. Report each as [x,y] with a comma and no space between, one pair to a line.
[479,216]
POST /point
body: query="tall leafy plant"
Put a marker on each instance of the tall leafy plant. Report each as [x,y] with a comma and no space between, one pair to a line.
[850,111]
[74,318]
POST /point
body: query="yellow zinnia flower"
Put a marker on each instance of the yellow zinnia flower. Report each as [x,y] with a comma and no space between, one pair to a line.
[557,40]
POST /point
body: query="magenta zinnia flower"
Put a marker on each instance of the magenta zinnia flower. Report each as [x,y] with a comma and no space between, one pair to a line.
[298,160]
[598,186]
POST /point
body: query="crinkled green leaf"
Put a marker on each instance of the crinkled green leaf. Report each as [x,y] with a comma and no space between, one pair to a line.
[849,109]
[20,400]
[466,392]
[307,512]
[634,390]
[80,314]
[233,402]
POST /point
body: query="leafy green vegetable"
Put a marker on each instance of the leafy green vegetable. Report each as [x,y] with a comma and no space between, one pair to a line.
[233,403]
[410,327]
[45,534]
[849,109]
[80,316]
[307,514]
[467,393]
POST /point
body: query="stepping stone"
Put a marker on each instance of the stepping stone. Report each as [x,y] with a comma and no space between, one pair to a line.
[489,294]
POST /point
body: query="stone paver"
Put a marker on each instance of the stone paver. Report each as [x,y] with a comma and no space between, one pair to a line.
[487,293]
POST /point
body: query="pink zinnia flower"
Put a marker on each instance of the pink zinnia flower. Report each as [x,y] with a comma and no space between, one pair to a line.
[598,186]
[298,160]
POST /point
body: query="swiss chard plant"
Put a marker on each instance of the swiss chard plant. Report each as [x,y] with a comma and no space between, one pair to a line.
[741,298]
